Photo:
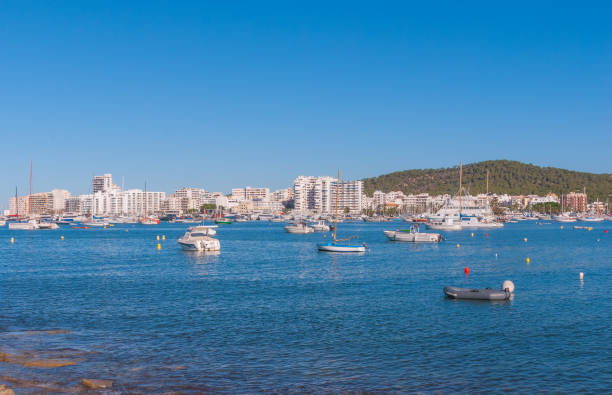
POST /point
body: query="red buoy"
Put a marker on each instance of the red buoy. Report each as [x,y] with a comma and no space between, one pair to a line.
[486,235]
[467,270]
[606,231]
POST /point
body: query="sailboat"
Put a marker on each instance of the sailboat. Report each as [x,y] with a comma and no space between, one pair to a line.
[334,246]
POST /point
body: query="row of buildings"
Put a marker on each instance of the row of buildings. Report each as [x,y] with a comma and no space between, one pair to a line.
[308,195]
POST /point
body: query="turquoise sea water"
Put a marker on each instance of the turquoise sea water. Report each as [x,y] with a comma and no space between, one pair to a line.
[271,314]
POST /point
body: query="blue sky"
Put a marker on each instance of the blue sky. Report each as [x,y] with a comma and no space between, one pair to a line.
[256,93]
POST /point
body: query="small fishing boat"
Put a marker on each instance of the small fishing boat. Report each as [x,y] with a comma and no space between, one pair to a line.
[413,235]
[481,294]
[223,221]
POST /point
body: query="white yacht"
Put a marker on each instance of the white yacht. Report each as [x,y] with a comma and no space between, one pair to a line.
[198,238]
[48,225]
[2,222]
[447,223]
[468,222]
[299,228]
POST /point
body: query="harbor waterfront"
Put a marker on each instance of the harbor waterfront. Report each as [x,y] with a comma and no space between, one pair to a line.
[269,313]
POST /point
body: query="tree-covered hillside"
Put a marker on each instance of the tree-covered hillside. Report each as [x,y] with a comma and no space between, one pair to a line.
[505,176]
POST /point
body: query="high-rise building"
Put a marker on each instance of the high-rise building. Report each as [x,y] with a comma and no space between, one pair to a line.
[18,205]
[318,194]
[102,183]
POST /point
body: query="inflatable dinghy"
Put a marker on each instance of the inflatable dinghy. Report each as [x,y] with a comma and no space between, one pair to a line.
[481,294]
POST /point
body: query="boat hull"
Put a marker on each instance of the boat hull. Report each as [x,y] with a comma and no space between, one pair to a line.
[476,294]
[413,237]
[340,248]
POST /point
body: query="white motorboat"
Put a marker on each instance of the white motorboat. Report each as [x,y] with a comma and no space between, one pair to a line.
[149,221]
[299,229]
[446,224]
[197,239]
[413,235]
[321,226]
[2,222]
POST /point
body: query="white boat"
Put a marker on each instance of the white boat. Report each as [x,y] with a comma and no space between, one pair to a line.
[563,218]
[30,225]
[590,218]
[333,246]
[321,226]
[447,224]
[197,239]
[48,225]
[413,236]
[149,221]
[2,222]
[469,222]
[300,229]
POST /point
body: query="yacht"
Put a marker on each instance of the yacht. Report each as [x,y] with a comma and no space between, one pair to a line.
[47,225]
[198,238]
[447,223]
[299,228]
[413,235]
[2,222]
[149,221]
[470,222]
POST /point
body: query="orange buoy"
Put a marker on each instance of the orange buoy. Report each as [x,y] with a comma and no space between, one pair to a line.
[486,235]
[466,270]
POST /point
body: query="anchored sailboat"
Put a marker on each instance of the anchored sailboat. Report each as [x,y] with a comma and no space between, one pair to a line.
[334,246]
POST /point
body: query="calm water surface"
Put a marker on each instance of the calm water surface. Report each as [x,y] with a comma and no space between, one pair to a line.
[270,313]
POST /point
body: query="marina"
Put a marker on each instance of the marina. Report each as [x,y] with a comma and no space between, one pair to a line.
[124,310]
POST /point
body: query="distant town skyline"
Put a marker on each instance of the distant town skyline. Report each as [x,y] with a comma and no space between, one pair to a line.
[219,95]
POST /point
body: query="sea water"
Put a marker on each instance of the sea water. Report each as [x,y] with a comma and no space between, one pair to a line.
[270,313]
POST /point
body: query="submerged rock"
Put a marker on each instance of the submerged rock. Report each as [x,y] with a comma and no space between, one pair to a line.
[31,362]
[4,390]
[97,384]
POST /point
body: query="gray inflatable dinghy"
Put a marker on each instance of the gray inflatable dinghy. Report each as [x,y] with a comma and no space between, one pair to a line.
[481,294]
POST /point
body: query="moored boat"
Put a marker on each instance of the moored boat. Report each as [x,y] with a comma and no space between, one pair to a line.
[299,229]
[197,239]
[481,294]
[413,235]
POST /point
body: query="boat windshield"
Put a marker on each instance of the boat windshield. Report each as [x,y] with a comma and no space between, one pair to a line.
[198,234]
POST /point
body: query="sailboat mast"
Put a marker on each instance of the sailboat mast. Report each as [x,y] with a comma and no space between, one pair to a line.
[16,203]
[30,195]
[487,182]
[337,196]
[460,175]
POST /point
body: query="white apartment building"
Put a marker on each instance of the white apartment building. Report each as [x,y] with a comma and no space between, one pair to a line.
[130,202]
[102,183]
[318,194]
[193,198]
[248,193]
[56,200]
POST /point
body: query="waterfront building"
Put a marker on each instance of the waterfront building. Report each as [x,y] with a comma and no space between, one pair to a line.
[575,201]
[18,205]
[318,194]
[56,201]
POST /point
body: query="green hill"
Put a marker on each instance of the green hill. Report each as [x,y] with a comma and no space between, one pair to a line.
[505,176]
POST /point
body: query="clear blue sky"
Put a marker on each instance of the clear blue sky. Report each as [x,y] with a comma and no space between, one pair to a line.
[256,93]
